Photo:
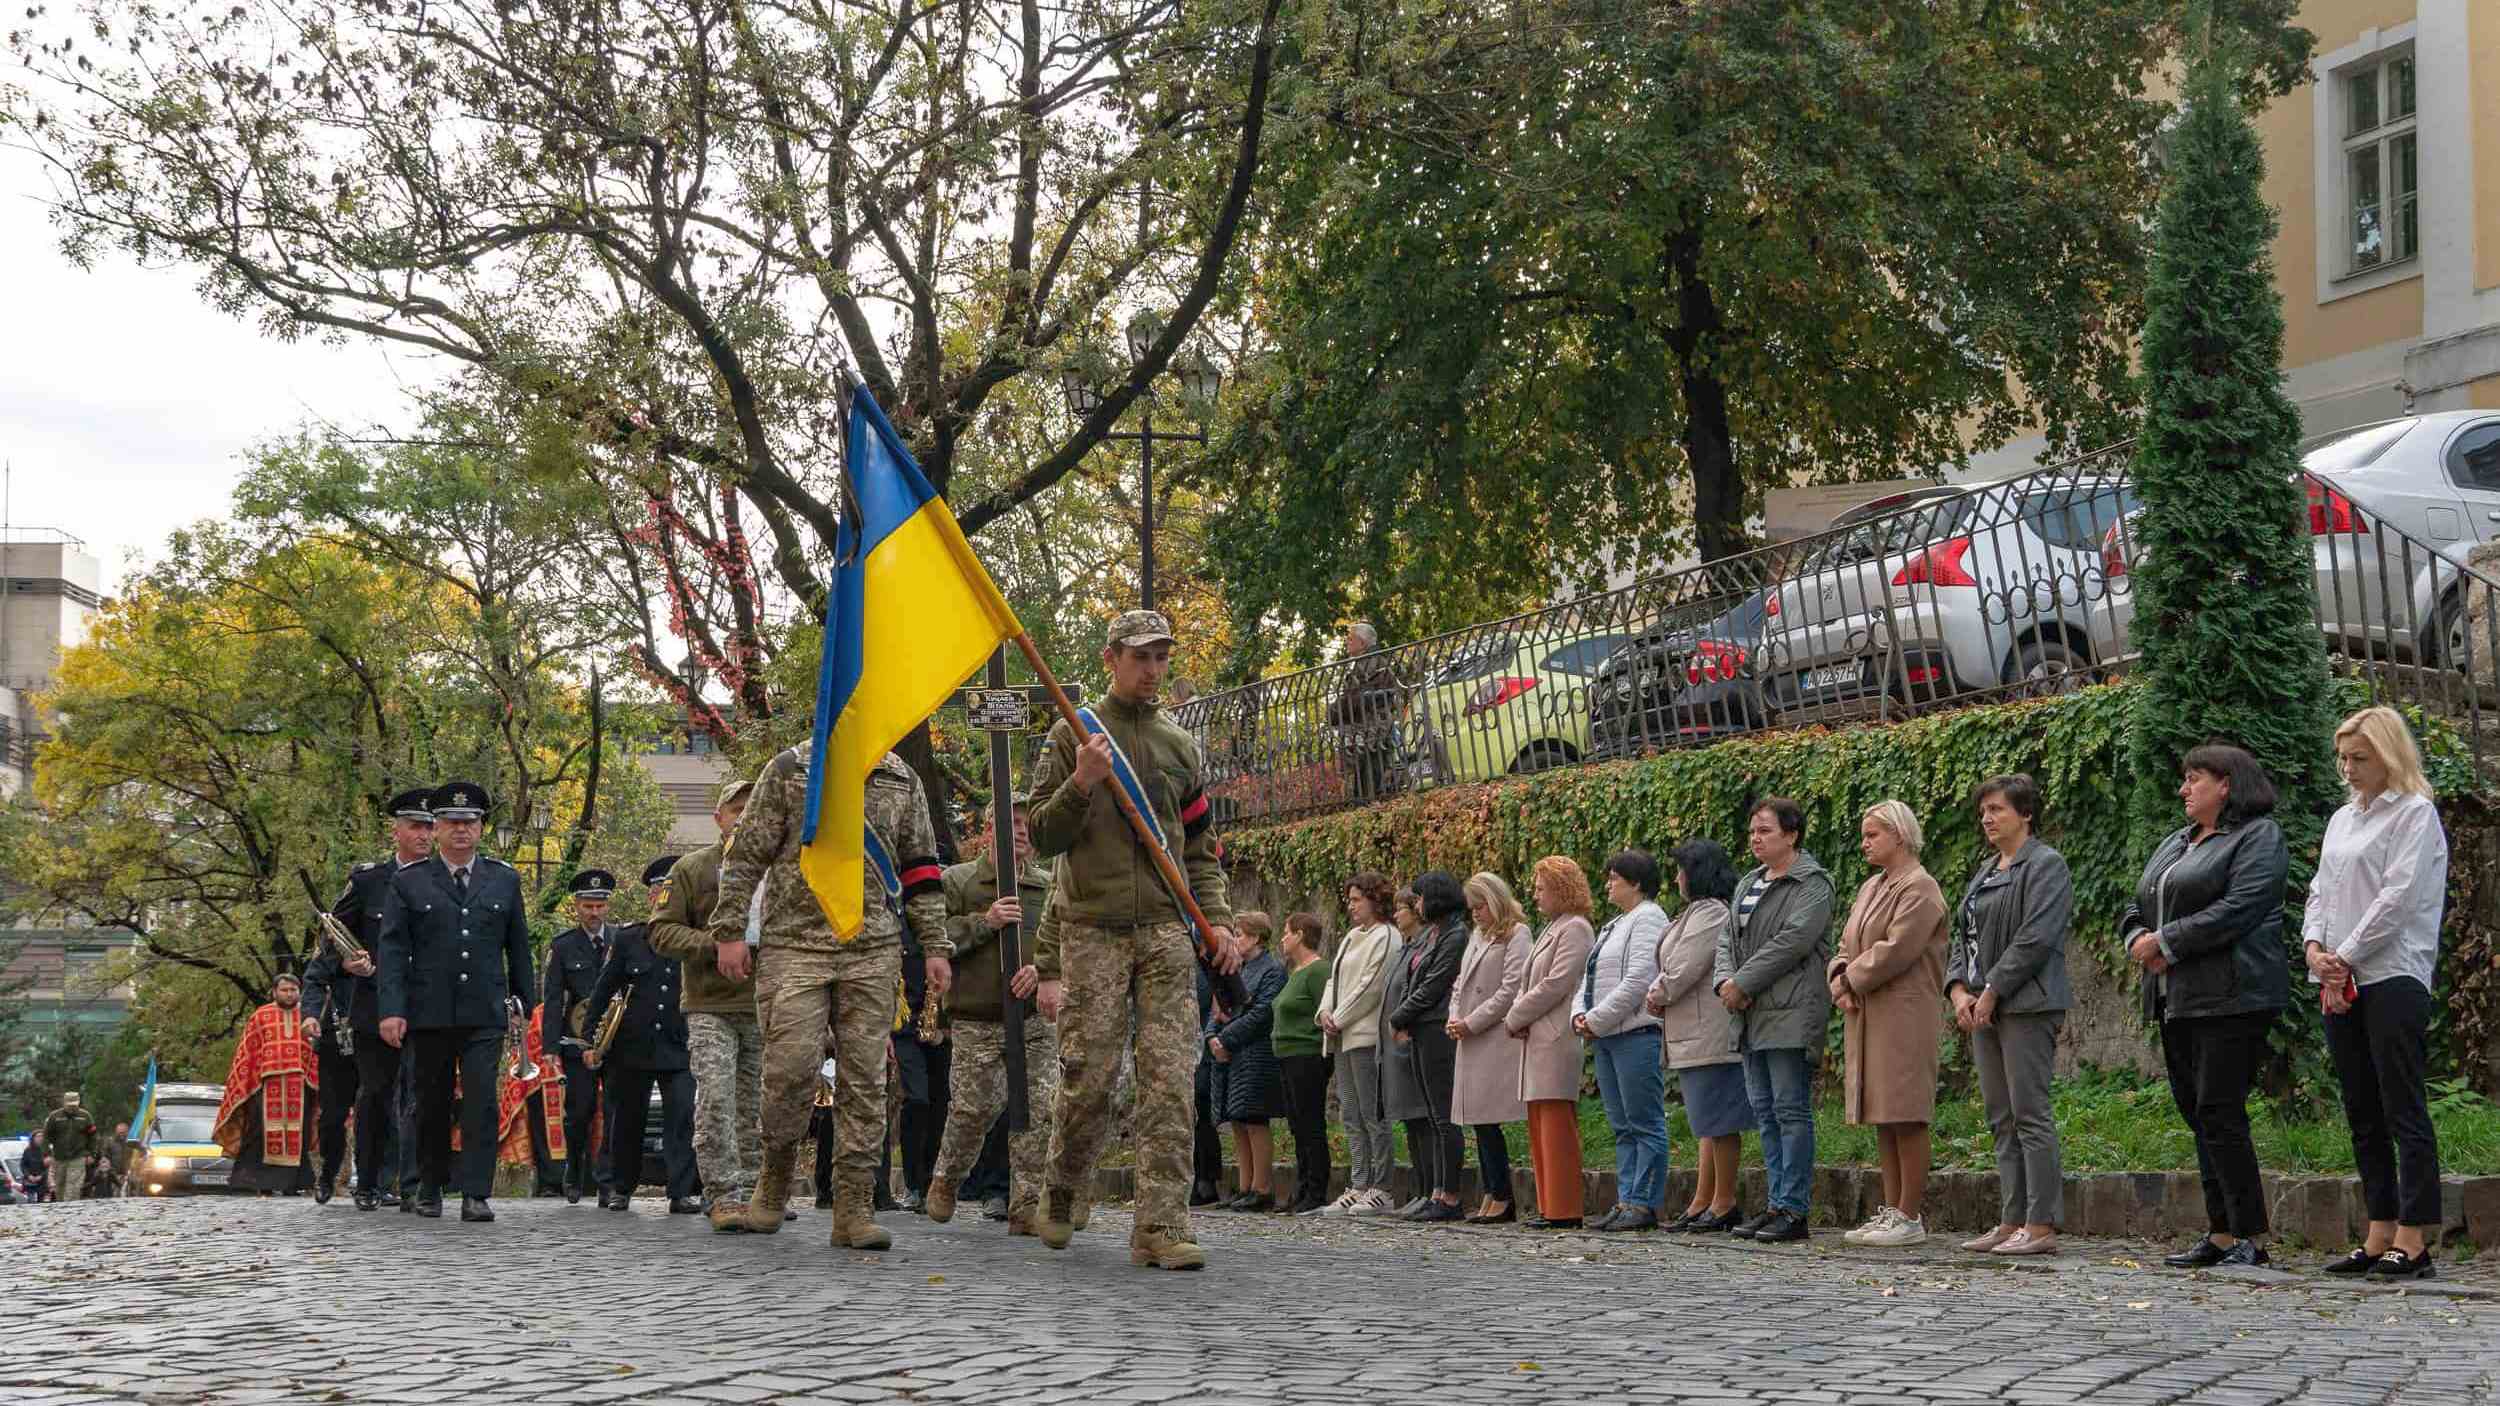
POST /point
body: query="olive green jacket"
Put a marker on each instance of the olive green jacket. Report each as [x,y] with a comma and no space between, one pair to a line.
[1110,880]
[681,927]
[970,889]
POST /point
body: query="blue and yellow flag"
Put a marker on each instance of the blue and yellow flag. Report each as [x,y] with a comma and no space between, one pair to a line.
[147,1109]
[911,616]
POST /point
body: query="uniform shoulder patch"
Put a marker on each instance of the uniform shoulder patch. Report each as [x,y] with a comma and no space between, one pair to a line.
[498,863]
[369,864]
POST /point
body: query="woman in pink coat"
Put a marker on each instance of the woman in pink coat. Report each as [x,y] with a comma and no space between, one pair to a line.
[1485,1093]
[1549,1049]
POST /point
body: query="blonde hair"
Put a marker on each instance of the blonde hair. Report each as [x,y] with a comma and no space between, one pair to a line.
[1491,891]
[2383,728]
[1902,821]
[1570,881]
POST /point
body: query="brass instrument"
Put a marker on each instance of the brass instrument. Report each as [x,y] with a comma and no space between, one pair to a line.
[336,937]
[517,1063]
[610,1023]
[932,1011]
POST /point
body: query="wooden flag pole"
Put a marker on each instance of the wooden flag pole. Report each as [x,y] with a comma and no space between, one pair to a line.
[1208,951]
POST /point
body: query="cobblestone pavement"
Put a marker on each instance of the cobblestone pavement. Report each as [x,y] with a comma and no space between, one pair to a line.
[220,1301]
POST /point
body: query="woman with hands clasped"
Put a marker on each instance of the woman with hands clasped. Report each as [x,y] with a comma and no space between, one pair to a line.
[1485,1093]
[1699,1035]
[2371,934]
[1548,1052]
[1349,1022]
[1769,973]
[2007,980]
[1609,1012]
[1886,980]
[1422,1060]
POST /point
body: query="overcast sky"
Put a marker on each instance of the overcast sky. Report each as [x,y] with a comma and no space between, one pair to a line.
[126,401]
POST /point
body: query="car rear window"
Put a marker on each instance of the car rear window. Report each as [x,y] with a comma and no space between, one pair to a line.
[1581,657]
[2356,448]
[2076,518]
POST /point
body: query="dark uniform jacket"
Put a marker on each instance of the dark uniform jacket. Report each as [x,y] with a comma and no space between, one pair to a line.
[330,989]
[970,889]
[573,963]
[653,1036]
[448,963]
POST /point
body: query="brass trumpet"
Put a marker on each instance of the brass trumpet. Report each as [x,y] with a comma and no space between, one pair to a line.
[336,937]
[932,1011]
[604,1038]
[517,1063]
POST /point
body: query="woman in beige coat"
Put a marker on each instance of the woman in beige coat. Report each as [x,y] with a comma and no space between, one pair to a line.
[1549,1050]
[1485,1093]
[1889,984]
[1698,1036]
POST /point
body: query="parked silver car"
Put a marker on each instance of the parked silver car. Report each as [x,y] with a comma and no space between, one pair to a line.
[1993,585]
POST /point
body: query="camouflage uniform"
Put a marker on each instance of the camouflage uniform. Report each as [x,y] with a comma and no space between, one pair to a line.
[980,1035]
[724,1040]
[1122,938]
[805,980]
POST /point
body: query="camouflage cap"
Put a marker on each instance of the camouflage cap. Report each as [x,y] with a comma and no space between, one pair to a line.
[1136,627]
[732,792]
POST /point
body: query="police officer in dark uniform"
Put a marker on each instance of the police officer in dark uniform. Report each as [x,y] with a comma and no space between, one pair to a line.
[362,1077]
[455,953]
[573,964]
[649,1050]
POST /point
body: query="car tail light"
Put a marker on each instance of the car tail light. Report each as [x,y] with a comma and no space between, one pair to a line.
[2331,512]
[2113,553]
[1939,565]
[1771,605]
[1923,673]
[1495,692]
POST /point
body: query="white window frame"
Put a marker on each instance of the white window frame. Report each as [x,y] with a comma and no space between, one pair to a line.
[2334,146]
[2379,142]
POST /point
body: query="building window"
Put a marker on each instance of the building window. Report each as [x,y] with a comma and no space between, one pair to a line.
[2382,165]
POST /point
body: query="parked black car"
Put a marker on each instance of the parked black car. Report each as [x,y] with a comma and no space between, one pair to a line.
[1680,688]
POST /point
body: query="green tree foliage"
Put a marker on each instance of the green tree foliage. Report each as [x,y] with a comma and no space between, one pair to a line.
[1555,289]
[2224,597]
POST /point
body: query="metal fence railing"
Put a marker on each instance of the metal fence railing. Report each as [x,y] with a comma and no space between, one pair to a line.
[1933,598]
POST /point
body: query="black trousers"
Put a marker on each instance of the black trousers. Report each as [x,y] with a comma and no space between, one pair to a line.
[1206,1152]
[550,1172]
[1306,1113]
[988,1176]
[1439,1150]
[376,1112]
[1493,1161]
[470,1053]
[629,1104]
[2380,1047]
[342,1090]
[2212,1062]
[409,1155]
[581,1110]
[928,1076]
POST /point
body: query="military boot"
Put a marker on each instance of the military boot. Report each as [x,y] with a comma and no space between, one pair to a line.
[853,1229]
[1023,1217]
[1084,1211]
[727,1216]
[1165,1249]
[941,1204]
[772,1194]
[1058,1209]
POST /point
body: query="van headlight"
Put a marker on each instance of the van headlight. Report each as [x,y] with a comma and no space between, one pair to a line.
[162,1163]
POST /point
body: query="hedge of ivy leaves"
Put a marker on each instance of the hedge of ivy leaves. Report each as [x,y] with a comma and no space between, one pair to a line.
[2075,745]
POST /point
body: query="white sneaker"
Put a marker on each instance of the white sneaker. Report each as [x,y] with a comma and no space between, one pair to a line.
[1375,1202]
[1882,1219]
[1343,1205]
[1901,1231]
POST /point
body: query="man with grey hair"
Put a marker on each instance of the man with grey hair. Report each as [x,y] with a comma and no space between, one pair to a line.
[1365,712]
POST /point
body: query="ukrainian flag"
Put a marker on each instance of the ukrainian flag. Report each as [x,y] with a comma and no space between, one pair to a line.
[147,1108]
[911,616]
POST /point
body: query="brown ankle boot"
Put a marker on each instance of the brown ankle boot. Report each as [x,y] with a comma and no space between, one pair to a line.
[1058,1213]
[772,1192]
[940,1205]
[853,1229]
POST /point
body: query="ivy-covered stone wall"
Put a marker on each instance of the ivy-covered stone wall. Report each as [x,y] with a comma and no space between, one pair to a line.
[2075,745]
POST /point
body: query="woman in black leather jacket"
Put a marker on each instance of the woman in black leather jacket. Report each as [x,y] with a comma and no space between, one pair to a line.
[1421,1063]
[2207,928]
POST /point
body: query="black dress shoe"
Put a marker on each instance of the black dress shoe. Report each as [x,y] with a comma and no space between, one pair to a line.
[1254,1201]
[2396,1264]
[322,1193]
[390,1198]
[474,1208]
[2247,1254]
[617,1203]
[1782,1228]
[1719,1224]
[994,1208]
[1436,1211]
[684,1206]
[884,1203]
[408,1205]
[572,1196]
[1203,1193]
[1509,1214]
[430,1204]
[1747,1228]
[2359,1262]
[365,1201]
[1564,1223]
[824,1201]
[1681,1223]
[2204,1254]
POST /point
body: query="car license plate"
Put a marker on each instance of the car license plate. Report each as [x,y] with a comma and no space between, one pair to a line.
[208,1178]
[1834,676]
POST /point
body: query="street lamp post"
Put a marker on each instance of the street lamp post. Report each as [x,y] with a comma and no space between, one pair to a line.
[1200,381]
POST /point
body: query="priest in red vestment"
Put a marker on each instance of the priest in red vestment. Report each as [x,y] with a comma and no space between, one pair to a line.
[270,1092]
[529,1137]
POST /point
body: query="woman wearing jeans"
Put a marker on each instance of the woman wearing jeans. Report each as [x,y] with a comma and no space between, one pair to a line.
[1770,974]
[1349,1016]
[2007,978]
[2207,928]
[1611,1013]
[2371,934]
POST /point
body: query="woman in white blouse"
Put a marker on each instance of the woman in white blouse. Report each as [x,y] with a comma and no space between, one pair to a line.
[1349,1018]
[2372,938]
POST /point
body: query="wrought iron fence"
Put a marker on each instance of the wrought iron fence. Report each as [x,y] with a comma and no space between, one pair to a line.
[1932,598]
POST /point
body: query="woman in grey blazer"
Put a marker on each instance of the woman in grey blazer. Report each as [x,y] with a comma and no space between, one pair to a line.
[2006,977]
